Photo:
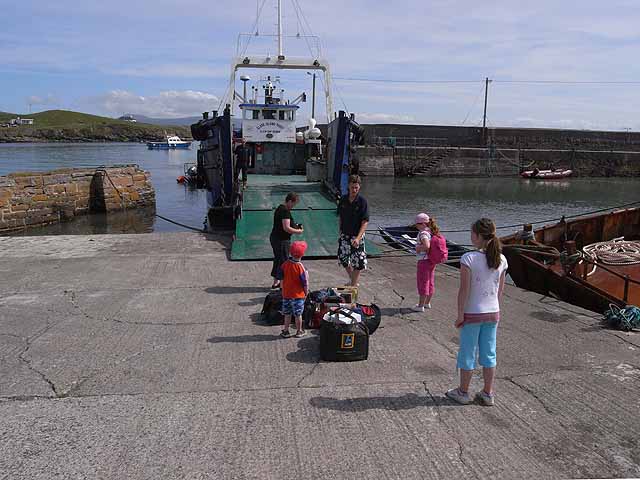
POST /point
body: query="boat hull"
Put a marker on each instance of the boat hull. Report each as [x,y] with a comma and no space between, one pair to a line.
[546,174]
[166,146]
[537,264]
[404,238]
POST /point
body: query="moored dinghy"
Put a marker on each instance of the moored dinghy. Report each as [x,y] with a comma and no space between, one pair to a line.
[404,238]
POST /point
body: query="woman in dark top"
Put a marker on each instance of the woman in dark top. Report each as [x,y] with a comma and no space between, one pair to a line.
[280,238]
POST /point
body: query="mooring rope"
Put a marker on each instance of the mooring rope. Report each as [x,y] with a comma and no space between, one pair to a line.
[626,318]
[515,225]
[614,252]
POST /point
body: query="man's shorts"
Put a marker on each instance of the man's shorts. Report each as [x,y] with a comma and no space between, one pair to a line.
[349,256]
[480,339]
[292,306]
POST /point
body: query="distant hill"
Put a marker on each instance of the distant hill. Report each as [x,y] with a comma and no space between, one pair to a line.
[68,126]
[185,121]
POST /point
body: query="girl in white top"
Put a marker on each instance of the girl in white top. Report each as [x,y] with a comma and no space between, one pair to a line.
[482,276]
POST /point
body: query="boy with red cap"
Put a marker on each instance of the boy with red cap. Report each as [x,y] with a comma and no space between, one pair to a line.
[295,286]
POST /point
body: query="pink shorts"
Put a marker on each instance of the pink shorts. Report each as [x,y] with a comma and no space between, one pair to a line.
[425,278]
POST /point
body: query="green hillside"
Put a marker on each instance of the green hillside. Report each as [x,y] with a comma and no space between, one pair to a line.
[68,126]
[63,118]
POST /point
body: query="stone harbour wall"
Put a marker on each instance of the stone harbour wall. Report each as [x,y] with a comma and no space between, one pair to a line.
[436,161]
[36,199]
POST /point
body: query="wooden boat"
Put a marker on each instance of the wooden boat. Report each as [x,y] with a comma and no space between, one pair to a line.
[591,262]
[546,174]
[404,238]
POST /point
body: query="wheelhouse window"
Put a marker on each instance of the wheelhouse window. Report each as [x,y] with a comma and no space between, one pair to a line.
[255,114]
[269,114]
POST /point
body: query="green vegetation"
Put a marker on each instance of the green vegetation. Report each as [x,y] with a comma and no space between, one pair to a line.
[67,126]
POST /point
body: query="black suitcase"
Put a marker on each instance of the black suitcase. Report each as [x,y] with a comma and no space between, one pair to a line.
[340,342]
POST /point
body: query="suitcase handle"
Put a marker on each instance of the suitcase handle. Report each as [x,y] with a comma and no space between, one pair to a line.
[347,313]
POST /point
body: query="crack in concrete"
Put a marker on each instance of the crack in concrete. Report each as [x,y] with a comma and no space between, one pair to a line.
[215,391]
[28,343]
[441,421]
[78,383]
[311,372]
[398,294]
[12,335]
[71,296]
[528,390]
[128,289]
[452,351]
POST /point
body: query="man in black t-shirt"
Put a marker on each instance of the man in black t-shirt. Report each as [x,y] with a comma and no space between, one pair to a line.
[353,210]
[242,161]
[280,238]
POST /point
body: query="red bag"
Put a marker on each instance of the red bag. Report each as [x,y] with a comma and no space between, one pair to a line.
[438,252]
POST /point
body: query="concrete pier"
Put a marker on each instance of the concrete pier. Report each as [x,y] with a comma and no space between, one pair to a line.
[142,356]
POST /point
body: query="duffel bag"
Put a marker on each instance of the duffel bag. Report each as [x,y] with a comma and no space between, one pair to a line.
[343,342]
[271,314]
[371,315]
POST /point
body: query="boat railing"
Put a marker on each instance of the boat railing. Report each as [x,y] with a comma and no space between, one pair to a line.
[585,272]
[410,141]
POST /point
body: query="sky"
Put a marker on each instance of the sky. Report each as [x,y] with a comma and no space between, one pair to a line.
[171,58]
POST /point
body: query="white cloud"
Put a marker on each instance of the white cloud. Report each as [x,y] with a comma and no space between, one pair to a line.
[173,70]
[49,99]
[173,47]
[383,118]
[167,104]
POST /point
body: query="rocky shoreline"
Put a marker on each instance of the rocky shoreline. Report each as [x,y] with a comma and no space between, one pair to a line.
[91,134]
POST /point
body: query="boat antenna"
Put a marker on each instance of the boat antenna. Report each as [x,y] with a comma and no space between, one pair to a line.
[257,16]
[280,54]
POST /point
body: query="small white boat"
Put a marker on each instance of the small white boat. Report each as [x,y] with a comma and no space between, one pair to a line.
[172,141]
[547,174]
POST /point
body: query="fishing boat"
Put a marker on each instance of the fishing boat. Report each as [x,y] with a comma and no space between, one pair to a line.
[536,174]
[280,159]
[591,261]
[405,238]
[171,142]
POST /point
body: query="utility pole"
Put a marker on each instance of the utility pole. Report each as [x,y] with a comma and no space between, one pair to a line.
[484,117]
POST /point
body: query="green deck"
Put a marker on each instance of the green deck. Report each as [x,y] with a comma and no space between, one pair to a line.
[315,211]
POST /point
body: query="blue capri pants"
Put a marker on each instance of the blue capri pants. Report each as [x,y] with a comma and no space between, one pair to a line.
[477,338]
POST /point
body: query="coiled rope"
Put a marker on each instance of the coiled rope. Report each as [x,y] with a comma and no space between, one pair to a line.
[614,252]
[626,318]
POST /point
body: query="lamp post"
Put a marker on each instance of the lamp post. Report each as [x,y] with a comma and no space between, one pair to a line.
[313,95]
[245,79]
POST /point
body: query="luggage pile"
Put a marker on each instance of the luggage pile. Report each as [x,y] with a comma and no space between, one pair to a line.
[345,325]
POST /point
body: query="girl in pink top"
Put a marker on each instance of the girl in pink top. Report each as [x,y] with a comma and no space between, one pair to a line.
[425,273]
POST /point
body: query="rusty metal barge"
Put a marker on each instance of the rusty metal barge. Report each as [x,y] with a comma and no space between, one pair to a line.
[591,262]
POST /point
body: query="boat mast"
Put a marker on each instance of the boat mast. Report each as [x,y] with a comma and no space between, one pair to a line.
[280,54]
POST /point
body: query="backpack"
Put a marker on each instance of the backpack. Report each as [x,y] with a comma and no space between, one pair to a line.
[438,252]
[271,309]
[315,306]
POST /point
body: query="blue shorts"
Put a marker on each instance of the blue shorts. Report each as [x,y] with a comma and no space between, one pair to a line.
[292,306]
[477,338]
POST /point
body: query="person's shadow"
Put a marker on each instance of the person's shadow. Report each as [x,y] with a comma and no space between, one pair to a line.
[308,349]
[244,338]
[224,290]
[403,402]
